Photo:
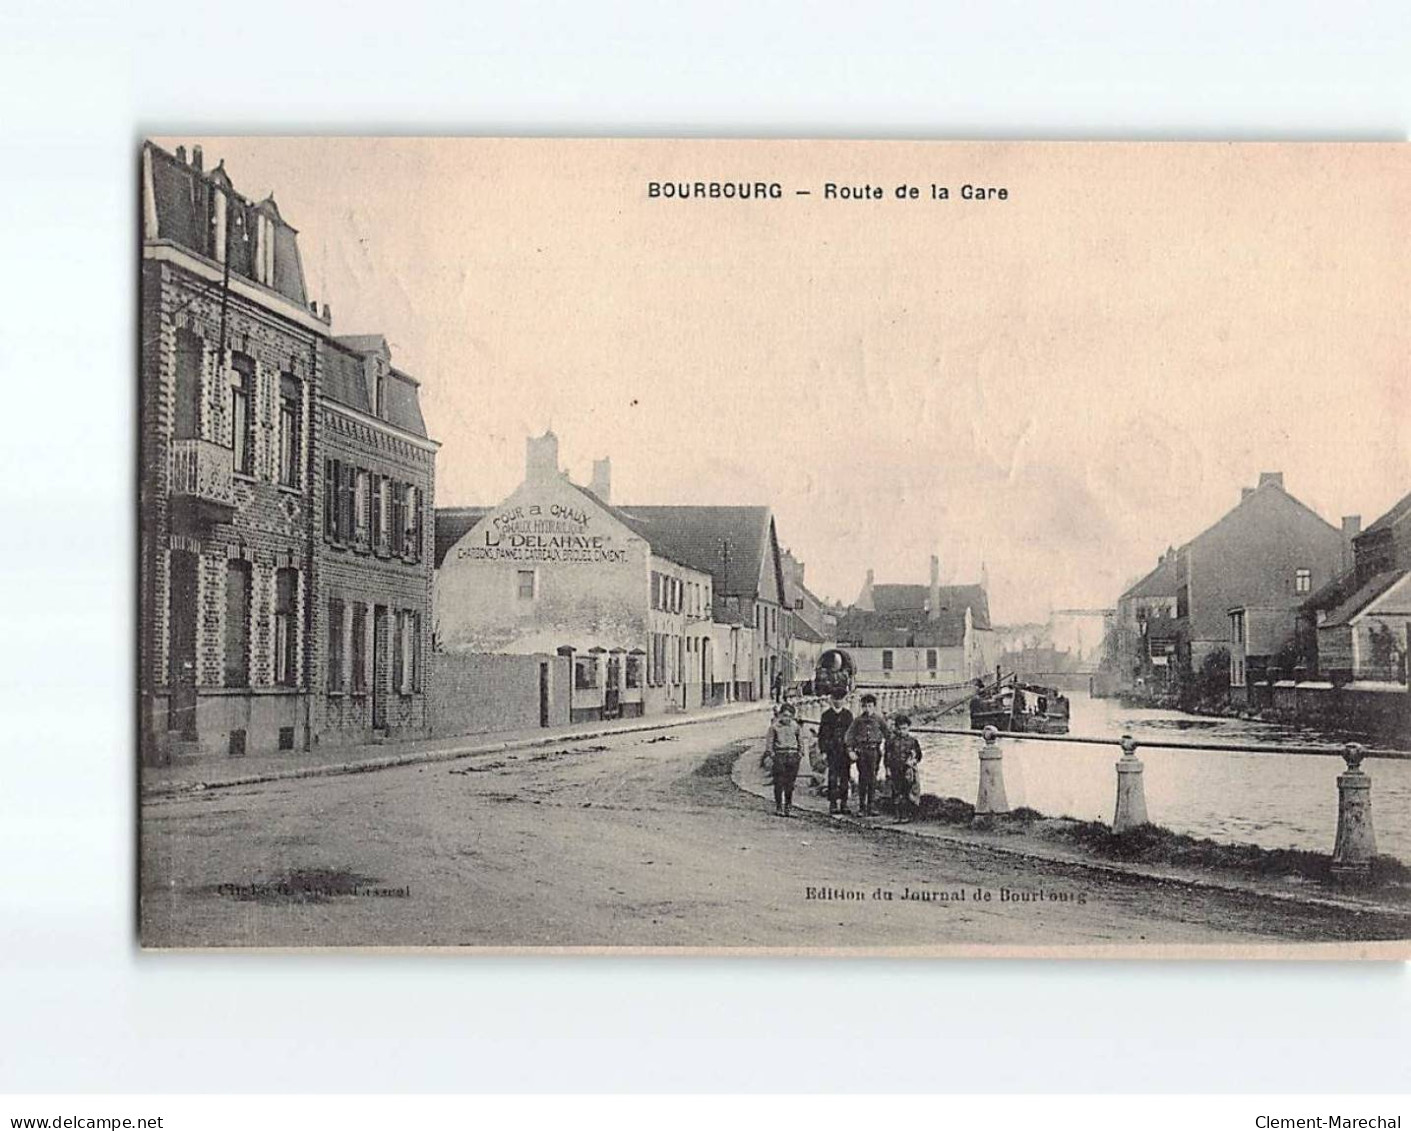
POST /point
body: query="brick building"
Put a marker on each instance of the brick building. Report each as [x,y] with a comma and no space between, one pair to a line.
[374,552]
[233,420]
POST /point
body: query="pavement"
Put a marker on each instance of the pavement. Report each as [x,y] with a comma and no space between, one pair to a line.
[224,773]
[640,839]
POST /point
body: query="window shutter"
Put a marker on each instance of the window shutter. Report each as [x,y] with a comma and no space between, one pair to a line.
[375,500]
[330,498]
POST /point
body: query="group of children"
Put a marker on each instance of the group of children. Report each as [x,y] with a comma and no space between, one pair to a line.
[865,741]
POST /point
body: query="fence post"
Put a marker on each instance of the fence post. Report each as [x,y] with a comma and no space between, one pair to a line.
[1131,795]
[1356,844]
[991,799]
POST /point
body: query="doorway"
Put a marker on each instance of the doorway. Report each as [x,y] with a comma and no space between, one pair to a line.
[544,694]
[181,659]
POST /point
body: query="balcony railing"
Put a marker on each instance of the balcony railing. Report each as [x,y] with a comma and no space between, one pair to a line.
[201,471]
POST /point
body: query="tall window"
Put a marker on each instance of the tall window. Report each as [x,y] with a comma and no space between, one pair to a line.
[357,666]
[286,589]
[362,507]
[290,411]
[526,585]
[1302,581]
[931,658]
[633,672]
[332,472]
[335,644]
[237,624]
[399,517]
[887,659]
[412,521]
[242,414]
[382,519]
[186,424]
[377,517]
[399,651]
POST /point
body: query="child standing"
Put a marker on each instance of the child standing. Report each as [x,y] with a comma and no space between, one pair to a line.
[903,763]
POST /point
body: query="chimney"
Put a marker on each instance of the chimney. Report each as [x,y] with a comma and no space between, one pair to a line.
[935,603]
[601,483]
[541,458]
[1351,528]
[1274,477]
[197,158]
[181,154]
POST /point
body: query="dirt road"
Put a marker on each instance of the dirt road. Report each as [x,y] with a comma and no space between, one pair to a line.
[640,840]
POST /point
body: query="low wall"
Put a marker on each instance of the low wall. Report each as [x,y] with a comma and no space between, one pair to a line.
[1383,715]
[477,693]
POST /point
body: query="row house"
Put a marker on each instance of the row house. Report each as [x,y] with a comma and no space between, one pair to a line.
[748,618]
[556,571]
[920,634]
[814,625]
[1356,630]
[1233,590]
[232,427]
[374,549]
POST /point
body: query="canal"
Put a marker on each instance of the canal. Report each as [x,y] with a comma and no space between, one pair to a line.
[1272,800]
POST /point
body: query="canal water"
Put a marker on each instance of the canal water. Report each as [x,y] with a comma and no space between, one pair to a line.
[1272,800]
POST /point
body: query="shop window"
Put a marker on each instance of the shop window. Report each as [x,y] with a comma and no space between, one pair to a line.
[633,671]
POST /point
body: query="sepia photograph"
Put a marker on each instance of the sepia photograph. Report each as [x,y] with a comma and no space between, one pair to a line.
[781,546]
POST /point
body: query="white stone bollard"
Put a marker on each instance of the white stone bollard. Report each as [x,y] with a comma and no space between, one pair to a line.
[1356,844]
[991,799]
[1131,795]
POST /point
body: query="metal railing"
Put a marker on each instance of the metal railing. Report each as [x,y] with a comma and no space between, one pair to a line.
[1354,848]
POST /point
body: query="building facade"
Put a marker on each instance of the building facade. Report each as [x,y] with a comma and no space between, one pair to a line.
[1261,560]
[375,499]
[929,634]
[1355,629]
[555,569]
[234,421]
[738,548]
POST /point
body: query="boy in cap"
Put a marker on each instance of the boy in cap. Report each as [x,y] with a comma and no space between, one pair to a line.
[865,738]
[903,768]
[785,746]
[832,740]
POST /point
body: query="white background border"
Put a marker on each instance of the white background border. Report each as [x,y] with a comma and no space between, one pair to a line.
[79,82]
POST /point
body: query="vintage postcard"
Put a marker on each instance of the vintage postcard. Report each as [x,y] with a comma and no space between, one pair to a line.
[775,546]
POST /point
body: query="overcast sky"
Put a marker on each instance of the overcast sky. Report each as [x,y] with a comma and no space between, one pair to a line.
[1058,385]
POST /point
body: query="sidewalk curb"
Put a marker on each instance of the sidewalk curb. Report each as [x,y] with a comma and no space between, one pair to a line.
[425,757]
[1105,867]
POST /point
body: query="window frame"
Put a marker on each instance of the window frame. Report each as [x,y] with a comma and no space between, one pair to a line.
[291,412]
[243,385]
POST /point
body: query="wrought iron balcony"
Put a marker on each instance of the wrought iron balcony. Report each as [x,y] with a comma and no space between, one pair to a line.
[201,478]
